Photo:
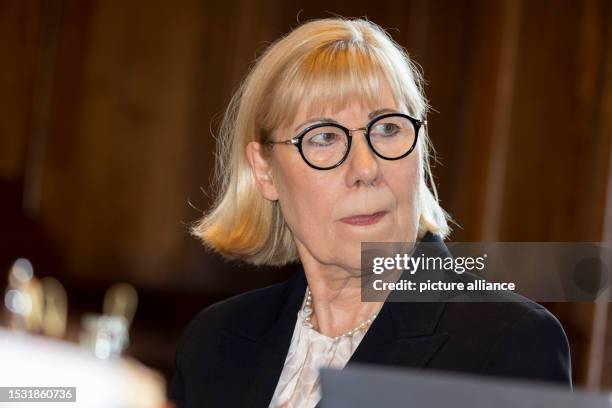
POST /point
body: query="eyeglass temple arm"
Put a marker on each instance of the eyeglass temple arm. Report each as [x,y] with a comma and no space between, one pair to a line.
[293,141]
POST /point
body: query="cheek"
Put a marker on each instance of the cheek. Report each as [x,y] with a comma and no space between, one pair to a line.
[306,199]
[404,175]
[404,181]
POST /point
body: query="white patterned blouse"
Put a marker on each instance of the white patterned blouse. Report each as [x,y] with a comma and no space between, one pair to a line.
[298,385]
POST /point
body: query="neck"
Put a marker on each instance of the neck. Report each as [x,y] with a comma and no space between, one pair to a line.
[336,298]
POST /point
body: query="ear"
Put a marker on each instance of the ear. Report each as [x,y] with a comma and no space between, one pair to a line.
[262,170]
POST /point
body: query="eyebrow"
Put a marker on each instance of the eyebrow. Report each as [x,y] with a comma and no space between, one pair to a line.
[371,116]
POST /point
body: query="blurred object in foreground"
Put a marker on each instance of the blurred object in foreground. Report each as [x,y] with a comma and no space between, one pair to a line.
[55,308]
[24,297]
[121,299]
[105,336]
[370,385]
[38,306]
[33,361]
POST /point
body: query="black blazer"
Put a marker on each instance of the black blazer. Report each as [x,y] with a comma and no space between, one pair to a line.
[232,353]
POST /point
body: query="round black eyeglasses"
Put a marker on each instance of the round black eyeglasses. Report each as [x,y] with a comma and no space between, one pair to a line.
[324,146]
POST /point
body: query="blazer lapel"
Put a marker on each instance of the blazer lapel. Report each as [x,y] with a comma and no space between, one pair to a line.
[255,363]
[402,335]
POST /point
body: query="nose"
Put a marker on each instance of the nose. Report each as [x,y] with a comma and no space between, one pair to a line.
[363,165]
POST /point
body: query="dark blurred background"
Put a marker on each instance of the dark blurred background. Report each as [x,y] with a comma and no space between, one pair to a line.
[106,149]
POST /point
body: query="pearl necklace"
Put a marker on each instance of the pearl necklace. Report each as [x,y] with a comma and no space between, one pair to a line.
[308,315]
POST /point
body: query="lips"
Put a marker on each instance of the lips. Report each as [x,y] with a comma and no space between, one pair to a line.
[364,219]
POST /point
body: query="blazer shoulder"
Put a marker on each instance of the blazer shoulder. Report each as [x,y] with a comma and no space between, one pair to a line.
[246,312]
[534,345]
[530,343]
[516,337]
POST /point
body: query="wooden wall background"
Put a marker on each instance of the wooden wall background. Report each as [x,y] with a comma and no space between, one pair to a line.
[105,134]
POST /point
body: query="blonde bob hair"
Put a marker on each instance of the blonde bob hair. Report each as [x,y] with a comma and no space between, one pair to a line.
[321,63]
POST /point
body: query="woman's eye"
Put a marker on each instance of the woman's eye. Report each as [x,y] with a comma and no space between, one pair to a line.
[386,129]
[323,139]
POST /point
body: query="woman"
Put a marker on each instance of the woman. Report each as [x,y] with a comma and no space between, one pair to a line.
[324,147]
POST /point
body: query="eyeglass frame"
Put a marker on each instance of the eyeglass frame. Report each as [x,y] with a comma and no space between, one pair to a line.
[297,140]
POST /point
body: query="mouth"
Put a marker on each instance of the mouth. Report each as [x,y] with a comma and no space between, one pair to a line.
[364,219]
